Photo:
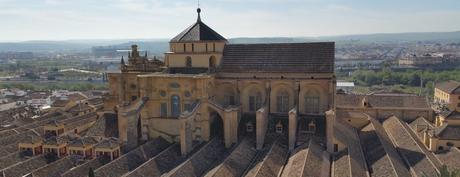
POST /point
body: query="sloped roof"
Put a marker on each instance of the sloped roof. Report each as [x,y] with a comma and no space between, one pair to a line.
[198,32]
[32,139]
[451,115]
[350,100]
[452,87]
[83,141]
[448,132]
[282,57]
[108,143]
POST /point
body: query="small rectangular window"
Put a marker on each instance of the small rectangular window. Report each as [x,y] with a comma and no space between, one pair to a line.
[214,47]
[336,147]
[187,107]
[163,110]
[185,47]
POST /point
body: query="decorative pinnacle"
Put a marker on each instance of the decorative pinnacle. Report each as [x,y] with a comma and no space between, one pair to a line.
[199,16]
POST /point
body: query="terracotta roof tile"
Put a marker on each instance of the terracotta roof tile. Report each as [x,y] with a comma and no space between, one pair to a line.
[452,87]
[283,57]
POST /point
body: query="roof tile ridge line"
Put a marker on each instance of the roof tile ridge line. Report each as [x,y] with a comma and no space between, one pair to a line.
[188,30]
[18,163]
[306,156]
[411,169]
[380,139]
[244,141]
[49,164]
[411,133]
[70,170]
[332,166]
[189,158]
[326,157]
[363,158]
[266,156]
[151,159]
[212,31]
[115,160]
[349,161]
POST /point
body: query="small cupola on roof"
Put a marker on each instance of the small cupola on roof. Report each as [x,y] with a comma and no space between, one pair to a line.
[198,32]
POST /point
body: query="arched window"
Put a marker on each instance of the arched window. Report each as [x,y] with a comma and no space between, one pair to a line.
[255,100]
[188,62]
[175,106]
[212,62]
[312,102]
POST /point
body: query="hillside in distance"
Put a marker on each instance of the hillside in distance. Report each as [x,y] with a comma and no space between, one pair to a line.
[158,46]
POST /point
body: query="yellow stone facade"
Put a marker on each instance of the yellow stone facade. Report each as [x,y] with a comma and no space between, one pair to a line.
[185,99]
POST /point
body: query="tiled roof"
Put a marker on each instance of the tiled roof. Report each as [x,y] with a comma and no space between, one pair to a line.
[60,103]
[80,142]
[77,96]
[108,143]
[351,100]
[198,32]
[31,139]
[133,159]
[451,115]
[419,125]
[26,167]
[452,87]
[349,136]
[82,170]
[311,161]
[160,164]
[54,169]
[448,132]
[11,159]
[54,123]
[273,162]
[411,149]
[381,155]
[450,157]
[283,57]
[201,161]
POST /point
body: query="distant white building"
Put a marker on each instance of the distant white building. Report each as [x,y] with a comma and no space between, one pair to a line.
[39,99]
[346,87]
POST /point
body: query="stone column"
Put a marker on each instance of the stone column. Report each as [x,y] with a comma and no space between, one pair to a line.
[296,95]
[261,126]
[185,137]
[268,88]
[292,128]
[330,120]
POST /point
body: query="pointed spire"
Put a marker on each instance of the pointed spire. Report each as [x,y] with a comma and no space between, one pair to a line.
[199,16]
[122,60]
[145,54]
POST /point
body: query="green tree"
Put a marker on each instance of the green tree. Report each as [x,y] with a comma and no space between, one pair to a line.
[444,172]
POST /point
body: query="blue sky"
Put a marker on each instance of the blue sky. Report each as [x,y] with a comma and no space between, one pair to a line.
[122,19]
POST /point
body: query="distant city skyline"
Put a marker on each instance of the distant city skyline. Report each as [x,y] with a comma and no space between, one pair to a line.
[24,20]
